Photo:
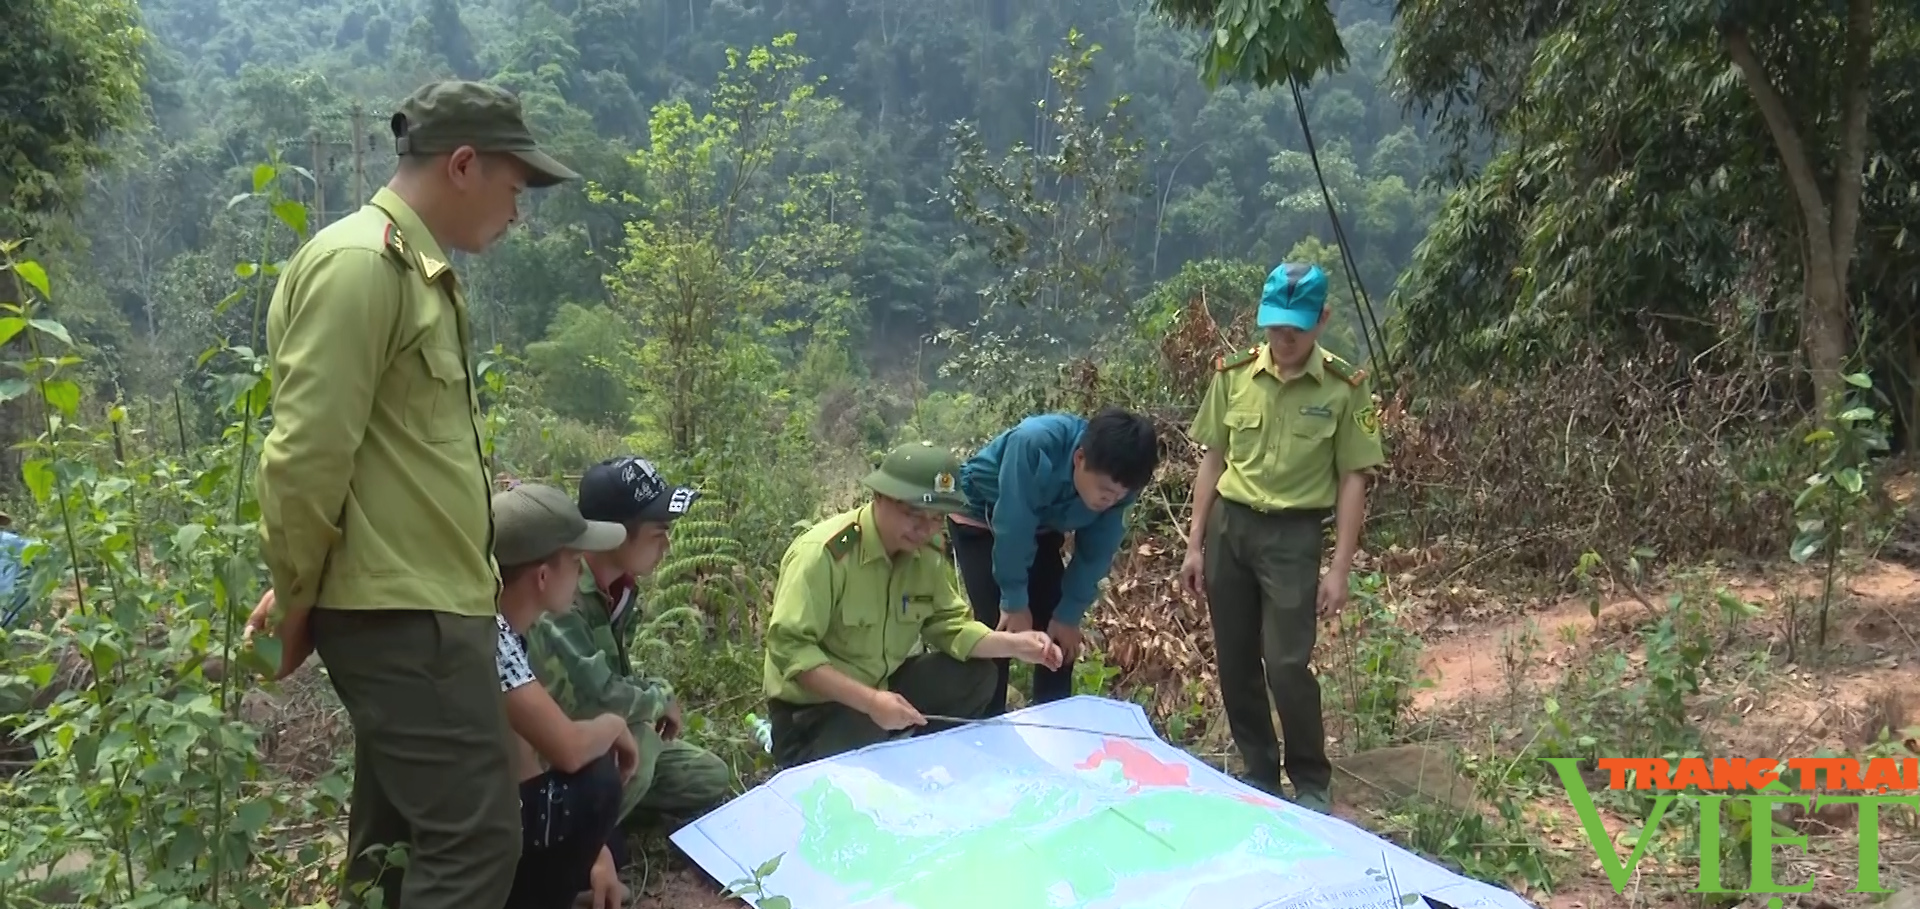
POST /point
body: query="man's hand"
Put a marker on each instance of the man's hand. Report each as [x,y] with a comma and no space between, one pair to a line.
[257,621]
[626,752]
[292,631]
[1070,639]
[1015,622]
[1333,593]
[891,712]
[604,883]
[670,723]
[1193,575]
[1036,647]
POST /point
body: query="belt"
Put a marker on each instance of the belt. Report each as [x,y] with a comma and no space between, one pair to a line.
[1313,513]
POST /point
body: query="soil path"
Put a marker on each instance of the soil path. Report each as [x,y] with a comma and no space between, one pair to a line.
[1473,665]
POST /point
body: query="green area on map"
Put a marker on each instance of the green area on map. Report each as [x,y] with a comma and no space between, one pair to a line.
[1033,842]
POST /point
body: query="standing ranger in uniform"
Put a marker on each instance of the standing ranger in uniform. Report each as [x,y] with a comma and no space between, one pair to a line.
[581,654]
[857,593]
[1291,433]
[374,498]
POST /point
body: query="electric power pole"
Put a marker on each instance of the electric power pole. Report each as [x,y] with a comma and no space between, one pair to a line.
[319,182]
[359,153]
[323,152]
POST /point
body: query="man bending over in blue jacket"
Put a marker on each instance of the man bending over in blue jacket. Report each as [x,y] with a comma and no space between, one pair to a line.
[1051,475]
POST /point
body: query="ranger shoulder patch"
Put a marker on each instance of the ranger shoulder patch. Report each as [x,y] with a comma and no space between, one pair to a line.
[397,245]
[1368,419]
[1224,363]
[845,542]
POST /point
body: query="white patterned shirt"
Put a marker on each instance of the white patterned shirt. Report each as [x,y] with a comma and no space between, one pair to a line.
[510,657]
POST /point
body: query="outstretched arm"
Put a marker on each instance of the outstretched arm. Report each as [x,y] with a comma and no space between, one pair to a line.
[1093,548]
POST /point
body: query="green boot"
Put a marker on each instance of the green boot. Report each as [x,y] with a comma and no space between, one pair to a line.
[1319,800]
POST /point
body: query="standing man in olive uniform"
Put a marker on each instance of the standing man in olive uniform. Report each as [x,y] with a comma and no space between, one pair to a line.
[374,498]
[857,593]
[1291,433]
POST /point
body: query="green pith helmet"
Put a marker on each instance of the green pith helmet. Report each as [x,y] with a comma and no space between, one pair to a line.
[922,475]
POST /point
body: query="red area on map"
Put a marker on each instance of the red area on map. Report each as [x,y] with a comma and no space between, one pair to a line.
[1136,765]
[1140,769]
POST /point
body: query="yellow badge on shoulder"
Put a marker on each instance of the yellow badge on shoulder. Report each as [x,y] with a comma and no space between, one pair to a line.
[1368,419]
[943,483]
[396,242]
[845,542]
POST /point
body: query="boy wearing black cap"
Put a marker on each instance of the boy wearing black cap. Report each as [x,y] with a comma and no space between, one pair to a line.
[582,654]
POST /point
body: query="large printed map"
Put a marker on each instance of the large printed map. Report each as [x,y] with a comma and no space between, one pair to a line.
[1012,815]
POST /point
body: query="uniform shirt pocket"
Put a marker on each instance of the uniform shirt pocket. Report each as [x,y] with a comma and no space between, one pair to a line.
[1246,448]
[1311,437]
[1243,429]
[854,633]
[437,409]
[915,616]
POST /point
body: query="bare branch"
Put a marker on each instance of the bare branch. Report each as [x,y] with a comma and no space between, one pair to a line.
[1786,135]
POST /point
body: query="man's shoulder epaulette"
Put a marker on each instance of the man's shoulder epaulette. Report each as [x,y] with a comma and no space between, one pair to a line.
[1224,362]
[842,544]
[1344,371]
[396,245]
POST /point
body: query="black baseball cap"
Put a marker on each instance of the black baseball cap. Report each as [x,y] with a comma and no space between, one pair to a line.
[628,490]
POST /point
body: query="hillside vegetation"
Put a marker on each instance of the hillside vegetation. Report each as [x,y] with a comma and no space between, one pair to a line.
[1636,280]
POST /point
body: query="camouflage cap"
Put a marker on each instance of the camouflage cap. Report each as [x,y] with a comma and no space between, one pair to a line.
[440,117]
[922,475]
[531,522]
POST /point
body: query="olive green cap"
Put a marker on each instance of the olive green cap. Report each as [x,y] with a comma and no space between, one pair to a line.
[922,475]
[531,522]
[440,117]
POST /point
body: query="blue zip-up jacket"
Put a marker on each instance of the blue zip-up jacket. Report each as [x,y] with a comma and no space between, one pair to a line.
[1022,483]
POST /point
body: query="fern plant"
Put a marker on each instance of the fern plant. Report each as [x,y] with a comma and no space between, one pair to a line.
[703,579]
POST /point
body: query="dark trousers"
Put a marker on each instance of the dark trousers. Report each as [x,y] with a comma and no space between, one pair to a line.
[973,554]
[432,765]
[674,784]
[931,682]
[1263,579]
[565,820]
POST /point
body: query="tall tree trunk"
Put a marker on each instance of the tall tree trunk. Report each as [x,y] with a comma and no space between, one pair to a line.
[1911,432]
[1830,215]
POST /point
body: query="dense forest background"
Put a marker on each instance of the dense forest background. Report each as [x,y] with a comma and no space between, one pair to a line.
[1221,175]
[1636,281]
[921,192]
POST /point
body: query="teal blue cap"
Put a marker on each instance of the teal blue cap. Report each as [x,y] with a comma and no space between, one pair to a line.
[1294,297]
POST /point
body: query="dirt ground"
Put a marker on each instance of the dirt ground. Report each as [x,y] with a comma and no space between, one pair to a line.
[1866,682]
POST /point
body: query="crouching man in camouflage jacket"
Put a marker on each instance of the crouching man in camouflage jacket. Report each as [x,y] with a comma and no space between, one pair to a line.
[581,655]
